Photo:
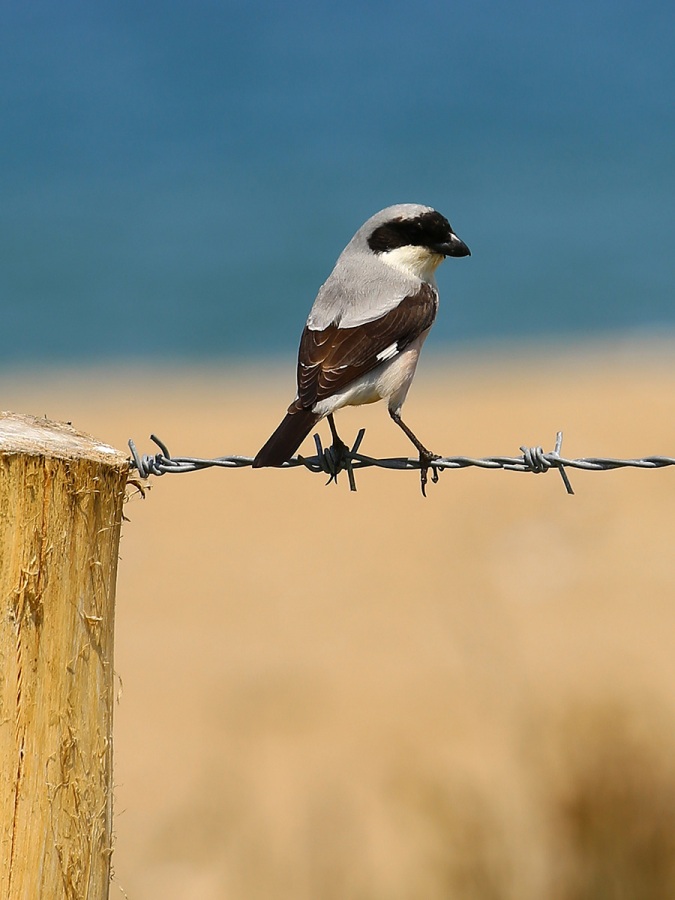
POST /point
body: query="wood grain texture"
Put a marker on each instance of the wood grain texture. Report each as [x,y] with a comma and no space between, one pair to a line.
[61,495]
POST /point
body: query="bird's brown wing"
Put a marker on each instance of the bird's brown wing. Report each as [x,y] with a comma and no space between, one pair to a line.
[329,360]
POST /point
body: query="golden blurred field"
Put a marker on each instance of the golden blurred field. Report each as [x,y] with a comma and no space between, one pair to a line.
[374,696]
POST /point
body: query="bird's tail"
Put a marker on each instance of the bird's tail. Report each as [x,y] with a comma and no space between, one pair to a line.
[287,438]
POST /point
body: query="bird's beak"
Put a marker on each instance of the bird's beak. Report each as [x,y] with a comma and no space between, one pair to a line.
[452,247]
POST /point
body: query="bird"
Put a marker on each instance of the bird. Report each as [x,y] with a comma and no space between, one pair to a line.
[364,333]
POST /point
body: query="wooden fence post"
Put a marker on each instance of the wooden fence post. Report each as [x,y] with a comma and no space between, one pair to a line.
[61,495]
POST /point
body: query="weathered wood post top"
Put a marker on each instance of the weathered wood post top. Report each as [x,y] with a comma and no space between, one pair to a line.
[61,495]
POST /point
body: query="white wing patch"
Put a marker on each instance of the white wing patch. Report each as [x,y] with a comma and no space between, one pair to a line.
[388,352]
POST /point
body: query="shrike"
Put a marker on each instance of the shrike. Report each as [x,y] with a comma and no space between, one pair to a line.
[366,328]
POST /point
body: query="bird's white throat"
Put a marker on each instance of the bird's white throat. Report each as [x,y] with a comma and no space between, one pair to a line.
[419,262]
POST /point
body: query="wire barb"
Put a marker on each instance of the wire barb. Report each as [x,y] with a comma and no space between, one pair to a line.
[334,459]
[340,458]
[537,461]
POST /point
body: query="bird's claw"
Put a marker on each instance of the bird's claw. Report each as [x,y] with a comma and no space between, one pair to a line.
[427,462]
[339,456]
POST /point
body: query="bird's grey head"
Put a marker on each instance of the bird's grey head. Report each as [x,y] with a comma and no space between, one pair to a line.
[412,238]
[383,263]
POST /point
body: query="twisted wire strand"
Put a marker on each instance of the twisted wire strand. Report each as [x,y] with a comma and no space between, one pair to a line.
[333,460]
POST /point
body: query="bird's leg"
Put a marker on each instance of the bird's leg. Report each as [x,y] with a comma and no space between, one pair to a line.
[339,450]
[338,443]
[426,456]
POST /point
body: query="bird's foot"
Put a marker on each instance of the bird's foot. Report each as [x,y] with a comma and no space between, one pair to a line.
[340,457]
[427,462]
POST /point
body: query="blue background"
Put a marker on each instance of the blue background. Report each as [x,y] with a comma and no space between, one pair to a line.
[177,179]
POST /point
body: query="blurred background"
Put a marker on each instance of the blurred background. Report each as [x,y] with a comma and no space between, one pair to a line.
[178,179]
[365,696]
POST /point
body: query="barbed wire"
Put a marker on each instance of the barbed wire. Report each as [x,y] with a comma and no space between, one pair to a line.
[333,460]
